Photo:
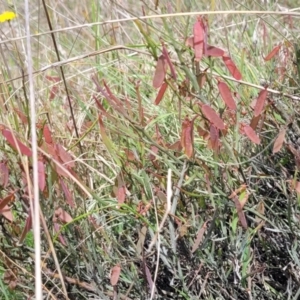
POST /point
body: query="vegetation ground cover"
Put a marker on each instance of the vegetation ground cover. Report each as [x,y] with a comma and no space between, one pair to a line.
[168,140]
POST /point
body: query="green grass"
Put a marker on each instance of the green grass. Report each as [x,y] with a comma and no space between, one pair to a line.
[117,193]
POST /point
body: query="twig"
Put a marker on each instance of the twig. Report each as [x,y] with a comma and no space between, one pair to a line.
[35,204]
[157,235]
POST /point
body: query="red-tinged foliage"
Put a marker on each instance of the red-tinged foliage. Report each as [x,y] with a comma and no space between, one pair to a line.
[65,156]
[240,212]
[169,62]
[7,214]
[5,209]
[100,106]
[297,187]
[114,275]
[213,51]
[47,134]
[265,33]
[56,228]
[26,229]
[176,146]
[52,78]
[254,122]
[250,133]
[187,137]
[260,102]
[153,153]
[241,189]
[201,79]
[279,141]
[63,216]
[214,142]
[190,42]
[143,208]
[49,148]
[161,93]
[226,95]
[212,116]
[274,51]
[114,102]
[7,200]
[232,67]
[21,115]
[139,98]
[120,189]
[203,133]
[54,89]
[15,143]
[199,237]
[130,155]
[160,72]
[199,37]
[281,71]
[68,195]
[148,273]
[4,174]
[42,175]
[53,92]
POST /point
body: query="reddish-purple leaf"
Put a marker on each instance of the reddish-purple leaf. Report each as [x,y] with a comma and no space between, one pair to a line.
[274,51]
[56,228]
[153,153]
[190,42]
[161,93]
[27,227]
[212,116]
[47,134]
[21,115]
[63,216]
[121,190]
[213,51]
[199,35]
[65,156]
[160,72]
[214,142]
[169,62]
[254,122]
[240,212]
[187,139]
[203,133]
[69,197]
[232,67]
[15,143]
[279,141]
[250,133]
[199,238]
[42,176]
[148,276]
[114,275]
[260,102]
[8,199]
[110,97]
[4,174]
[7,213]
[226,95]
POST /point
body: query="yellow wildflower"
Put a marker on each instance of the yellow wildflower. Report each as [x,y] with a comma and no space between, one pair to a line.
[7,16]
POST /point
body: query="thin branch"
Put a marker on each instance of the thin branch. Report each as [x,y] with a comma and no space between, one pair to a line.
[35,204]
[62,75]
